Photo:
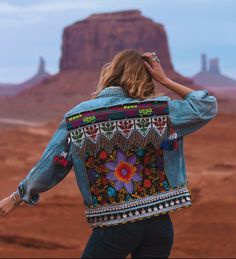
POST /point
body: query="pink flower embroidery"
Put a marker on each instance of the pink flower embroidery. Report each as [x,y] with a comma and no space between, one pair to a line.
[124,171]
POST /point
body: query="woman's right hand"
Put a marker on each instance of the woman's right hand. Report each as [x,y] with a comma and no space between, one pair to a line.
[155,68]
[7,205]
[159,75]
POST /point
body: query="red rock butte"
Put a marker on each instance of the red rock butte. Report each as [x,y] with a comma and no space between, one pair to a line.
[92,42]
[87,46]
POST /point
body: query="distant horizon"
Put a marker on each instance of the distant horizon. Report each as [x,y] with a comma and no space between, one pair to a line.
[32,29]
[36,70]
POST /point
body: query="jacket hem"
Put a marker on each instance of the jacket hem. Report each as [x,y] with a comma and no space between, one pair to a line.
[139,208]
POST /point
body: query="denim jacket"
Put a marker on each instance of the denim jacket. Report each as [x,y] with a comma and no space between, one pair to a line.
[135,180]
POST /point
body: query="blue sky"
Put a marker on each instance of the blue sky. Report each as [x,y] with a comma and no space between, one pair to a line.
[30,28]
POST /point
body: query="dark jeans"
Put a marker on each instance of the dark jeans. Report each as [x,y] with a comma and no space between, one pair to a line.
[147,238]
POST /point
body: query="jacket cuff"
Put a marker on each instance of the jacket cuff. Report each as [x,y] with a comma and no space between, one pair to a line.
[25,197]
[197,94]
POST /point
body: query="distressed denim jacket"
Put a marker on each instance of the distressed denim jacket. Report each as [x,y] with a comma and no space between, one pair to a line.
[127,154]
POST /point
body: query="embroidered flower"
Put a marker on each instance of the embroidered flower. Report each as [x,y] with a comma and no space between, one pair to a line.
[61,160]
[103,155]
[166,185]
[147,183]
[147,171]
[124,171]
[140,152]
[111,191]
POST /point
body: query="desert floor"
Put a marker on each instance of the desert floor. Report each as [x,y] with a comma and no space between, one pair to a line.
[57,227]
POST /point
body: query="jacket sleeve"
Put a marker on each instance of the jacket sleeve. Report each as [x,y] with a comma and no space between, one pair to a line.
[46,173]
[193,112]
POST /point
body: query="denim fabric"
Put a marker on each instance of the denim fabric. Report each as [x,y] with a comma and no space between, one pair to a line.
[187,115]
[148,238]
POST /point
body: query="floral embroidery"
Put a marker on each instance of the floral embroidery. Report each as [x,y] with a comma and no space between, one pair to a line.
[124,171]
[123,175]
[160,124]
[89,119]
[108,129]
[147,183]
[111,191]
[61,160]
[92,132]
[126,127]
[145,112]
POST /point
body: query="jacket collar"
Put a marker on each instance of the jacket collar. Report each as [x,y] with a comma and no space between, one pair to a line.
[116,91]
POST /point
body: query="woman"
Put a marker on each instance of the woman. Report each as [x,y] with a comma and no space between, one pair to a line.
[126,147]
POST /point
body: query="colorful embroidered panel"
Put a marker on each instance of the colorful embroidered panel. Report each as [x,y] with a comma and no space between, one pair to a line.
[125,175]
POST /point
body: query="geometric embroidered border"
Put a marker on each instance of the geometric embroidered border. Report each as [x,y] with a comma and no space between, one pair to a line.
[139,208]
[126,127]
[122,111]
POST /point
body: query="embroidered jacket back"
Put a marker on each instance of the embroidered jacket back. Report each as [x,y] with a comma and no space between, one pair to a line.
[122,147]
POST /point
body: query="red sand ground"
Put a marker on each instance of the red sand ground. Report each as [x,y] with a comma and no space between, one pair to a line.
[57,227]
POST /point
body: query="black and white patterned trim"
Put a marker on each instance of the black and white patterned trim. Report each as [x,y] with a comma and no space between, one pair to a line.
[116,124]
[139,208]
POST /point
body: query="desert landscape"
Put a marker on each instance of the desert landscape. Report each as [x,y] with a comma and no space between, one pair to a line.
[56,226]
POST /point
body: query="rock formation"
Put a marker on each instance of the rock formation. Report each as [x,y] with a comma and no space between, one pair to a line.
[90,43]
[87,45]
[212,77]
[13,89]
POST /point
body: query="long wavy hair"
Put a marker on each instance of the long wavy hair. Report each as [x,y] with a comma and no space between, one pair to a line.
[127,69]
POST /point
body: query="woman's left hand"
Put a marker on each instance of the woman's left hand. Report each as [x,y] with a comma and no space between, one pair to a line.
[7,205]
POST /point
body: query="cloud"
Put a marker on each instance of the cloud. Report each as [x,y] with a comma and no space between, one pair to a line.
[15,14]
[45,7]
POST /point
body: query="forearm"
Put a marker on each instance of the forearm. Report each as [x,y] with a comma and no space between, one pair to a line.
[49,170]
[176,87]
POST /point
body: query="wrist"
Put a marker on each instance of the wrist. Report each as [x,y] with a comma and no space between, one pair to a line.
[16,198]
[165,81]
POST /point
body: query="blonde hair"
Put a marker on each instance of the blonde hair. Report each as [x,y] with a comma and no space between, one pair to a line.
[127,69]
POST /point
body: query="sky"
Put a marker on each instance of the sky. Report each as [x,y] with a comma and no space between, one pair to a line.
[33,28]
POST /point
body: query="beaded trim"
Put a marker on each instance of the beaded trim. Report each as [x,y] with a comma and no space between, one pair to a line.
[124,111]
[139,208]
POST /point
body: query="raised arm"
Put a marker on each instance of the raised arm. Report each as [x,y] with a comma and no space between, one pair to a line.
[193,111]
